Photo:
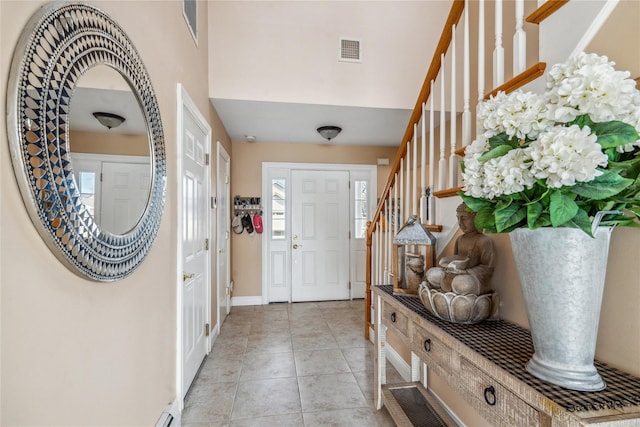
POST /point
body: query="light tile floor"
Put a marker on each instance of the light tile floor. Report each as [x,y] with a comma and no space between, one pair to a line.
[301,364]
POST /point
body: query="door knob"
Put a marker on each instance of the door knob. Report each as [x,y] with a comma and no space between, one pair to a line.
[296,246]
[186,276]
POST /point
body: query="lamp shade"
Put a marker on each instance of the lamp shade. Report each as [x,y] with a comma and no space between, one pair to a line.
[109,120]
[329,132]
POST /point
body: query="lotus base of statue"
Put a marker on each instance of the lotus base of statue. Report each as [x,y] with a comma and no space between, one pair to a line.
[458,308]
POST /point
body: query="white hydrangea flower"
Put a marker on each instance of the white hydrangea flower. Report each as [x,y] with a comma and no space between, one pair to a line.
[507,174]
[515,166]
[520,114]
[589,84]
[473,175]
[634,120]
[566,155]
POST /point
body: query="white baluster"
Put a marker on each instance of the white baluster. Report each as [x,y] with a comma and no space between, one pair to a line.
[466,113]
[407,186]
[423,165]
[387,233]
[519,41]
[453,158]
[442,164]
[402,202]
[414,181]
[381,271]
[498,51]
[393,218]
[481,59]
[432,157]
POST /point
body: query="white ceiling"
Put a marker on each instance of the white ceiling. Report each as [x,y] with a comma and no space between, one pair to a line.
[275,71]
[297,123]
[86,101]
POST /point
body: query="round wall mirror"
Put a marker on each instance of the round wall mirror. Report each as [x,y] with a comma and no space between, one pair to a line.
[109,148]
[63,51]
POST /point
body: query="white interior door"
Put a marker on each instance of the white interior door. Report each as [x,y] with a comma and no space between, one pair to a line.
[195,293]
[320,235]
[125,193]
[224,231]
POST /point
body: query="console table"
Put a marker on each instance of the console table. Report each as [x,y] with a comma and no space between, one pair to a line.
[485,364]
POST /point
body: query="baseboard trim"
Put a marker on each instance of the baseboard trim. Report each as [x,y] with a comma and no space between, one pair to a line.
[255,300]
[170,416]
[403,368]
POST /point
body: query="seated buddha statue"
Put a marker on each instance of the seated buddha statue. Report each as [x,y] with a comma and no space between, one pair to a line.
[469,270]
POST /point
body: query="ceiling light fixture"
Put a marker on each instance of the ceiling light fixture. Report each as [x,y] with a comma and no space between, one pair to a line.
[109,120]
[329,132]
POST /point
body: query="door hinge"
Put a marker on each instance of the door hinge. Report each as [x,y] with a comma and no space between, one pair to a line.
[213,202]
[226,179]
[206,244]
[206,159]
[349,234]
[349,285]
[206,329]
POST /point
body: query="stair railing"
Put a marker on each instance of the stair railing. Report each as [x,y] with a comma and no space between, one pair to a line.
[426,164]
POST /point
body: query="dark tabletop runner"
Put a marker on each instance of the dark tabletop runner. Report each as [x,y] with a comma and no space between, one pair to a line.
[509,346]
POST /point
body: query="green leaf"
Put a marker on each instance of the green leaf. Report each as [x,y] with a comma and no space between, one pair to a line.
[499,151]
[485,220]
[562,208]
[628,168]
[635,210]
[536,216]
[581,220]
[509,215]
[614,133]
[606,185]
[534,210]
[500,139]
[581,121]
[543,220]
[475,204]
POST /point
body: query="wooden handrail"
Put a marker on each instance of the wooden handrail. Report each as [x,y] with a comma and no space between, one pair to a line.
[449,192]
[443,45]
[434,68]
[547,9]
[528,75]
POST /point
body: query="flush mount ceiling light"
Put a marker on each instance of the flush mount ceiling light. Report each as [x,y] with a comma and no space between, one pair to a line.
[109,120]
[329,132]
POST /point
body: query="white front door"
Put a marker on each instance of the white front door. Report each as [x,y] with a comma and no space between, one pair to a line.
[320,235]
[195,284]
[224,231]
[125,193]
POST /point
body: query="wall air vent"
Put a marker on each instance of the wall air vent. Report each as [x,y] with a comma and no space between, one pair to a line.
[350,50]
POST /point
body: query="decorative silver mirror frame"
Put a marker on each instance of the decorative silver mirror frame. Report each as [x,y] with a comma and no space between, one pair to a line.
[58,45]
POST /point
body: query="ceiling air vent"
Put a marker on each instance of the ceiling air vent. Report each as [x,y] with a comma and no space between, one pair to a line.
[350,50]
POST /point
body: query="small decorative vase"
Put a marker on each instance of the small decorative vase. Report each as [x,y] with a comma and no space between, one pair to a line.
[562,273]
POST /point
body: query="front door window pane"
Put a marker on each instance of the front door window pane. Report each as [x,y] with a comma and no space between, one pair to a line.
[278,214]
[361,213]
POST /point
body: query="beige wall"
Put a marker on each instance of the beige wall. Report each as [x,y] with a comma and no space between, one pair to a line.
[616,36]
[108,143]
[75,352]
[246,181]
[272,57]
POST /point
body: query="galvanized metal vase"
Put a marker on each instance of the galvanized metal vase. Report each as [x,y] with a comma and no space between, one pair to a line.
[562,274]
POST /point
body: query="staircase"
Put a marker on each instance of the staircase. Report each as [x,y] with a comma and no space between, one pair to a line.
[485,47]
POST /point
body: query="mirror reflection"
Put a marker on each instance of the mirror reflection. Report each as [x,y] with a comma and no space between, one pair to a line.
[110,159]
